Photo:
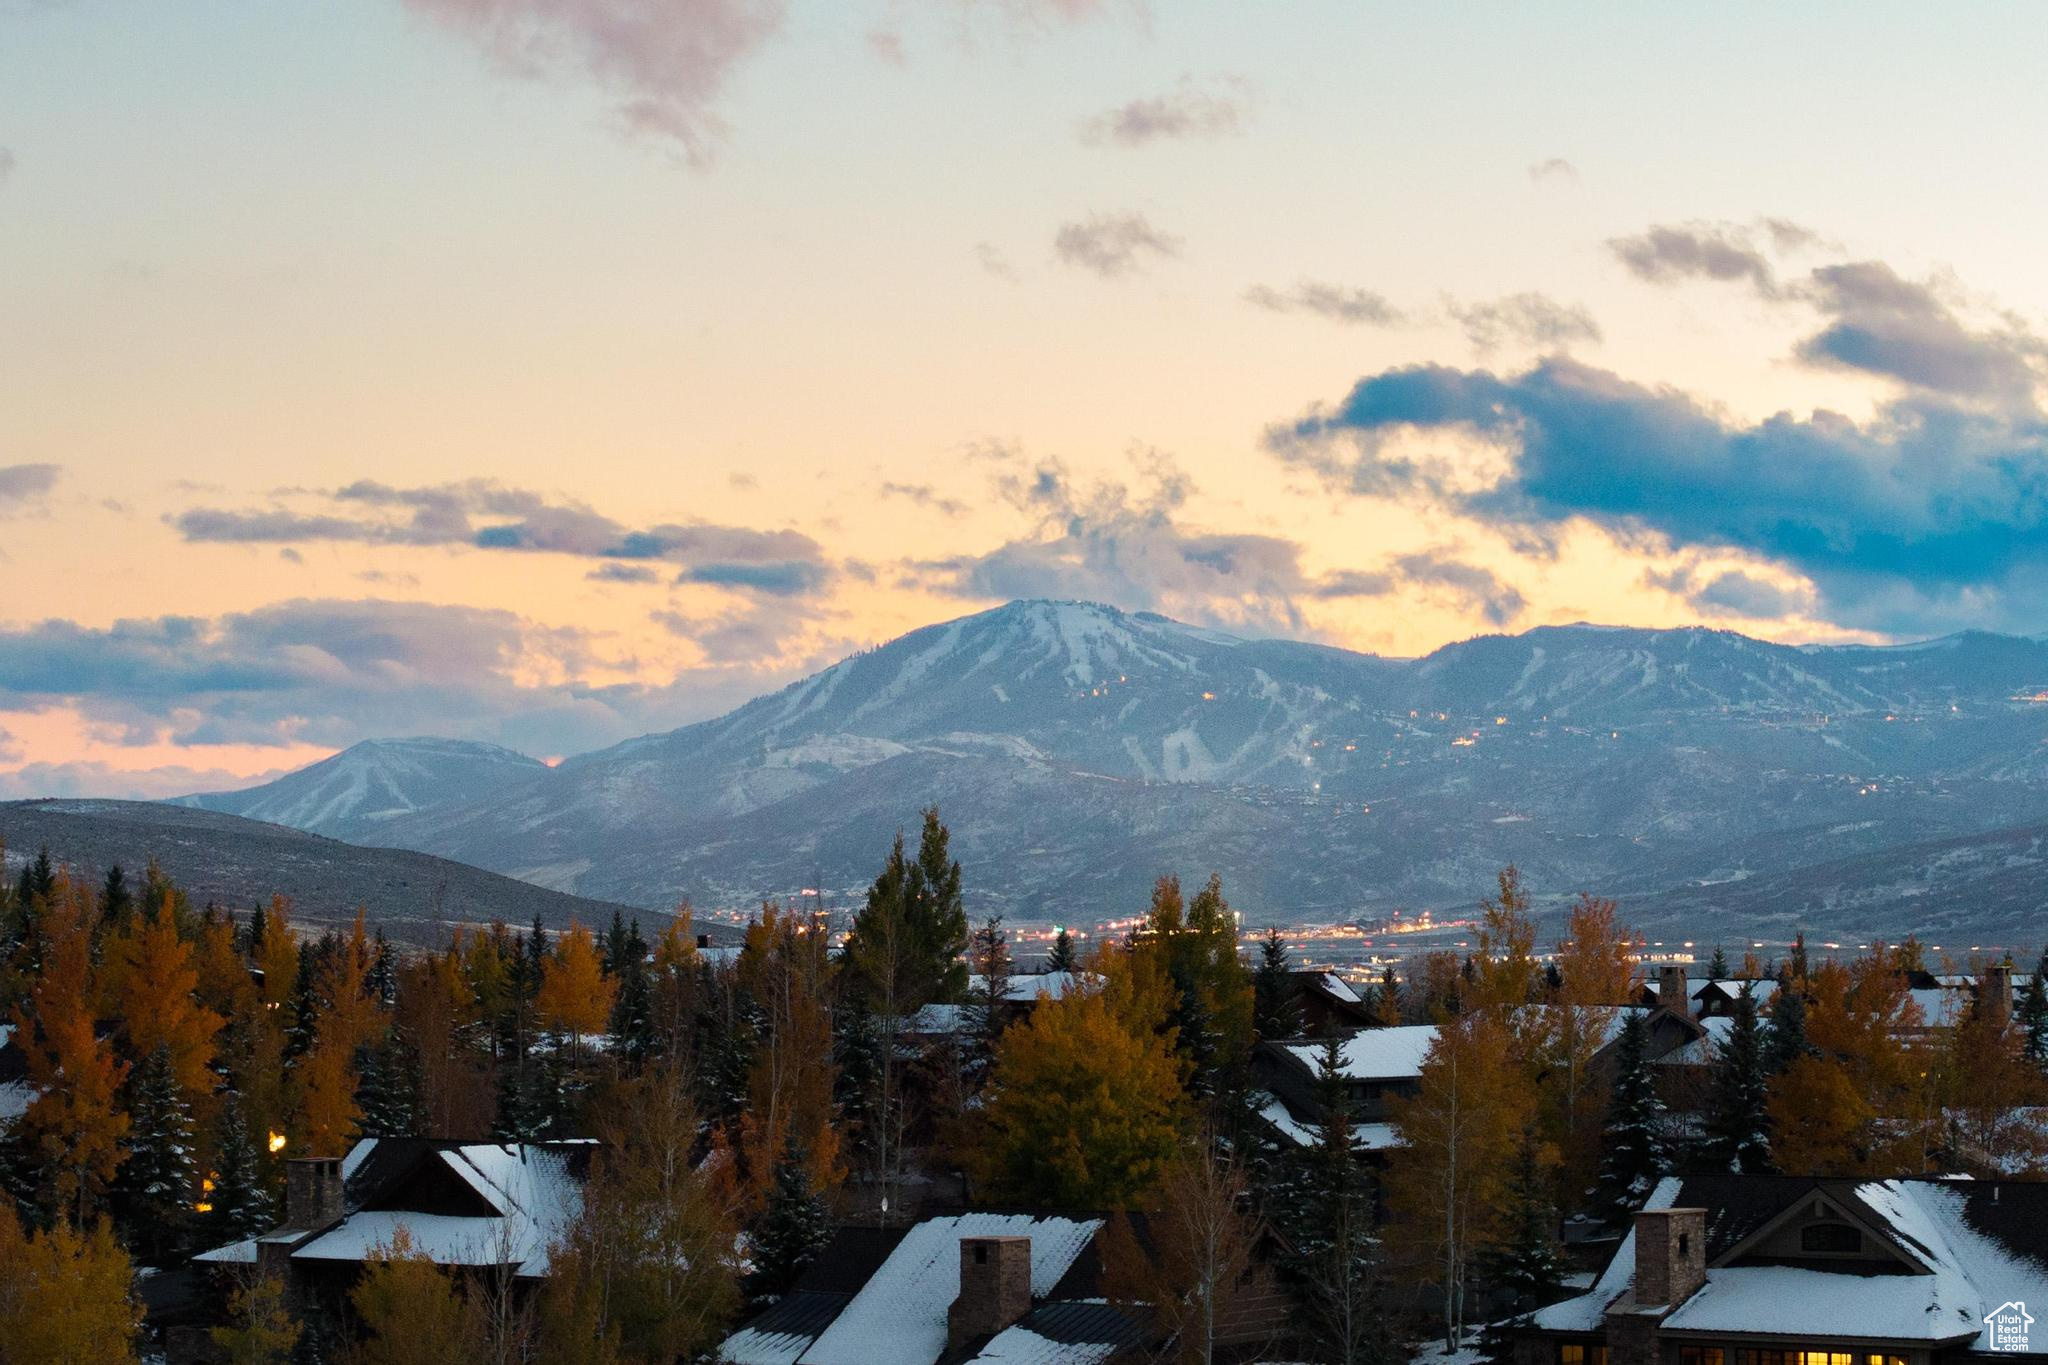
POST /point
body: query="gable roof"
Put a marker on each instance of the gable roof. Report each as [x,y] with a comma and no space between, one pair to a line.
[1374,1054]
[1970,1244]
[524,1197]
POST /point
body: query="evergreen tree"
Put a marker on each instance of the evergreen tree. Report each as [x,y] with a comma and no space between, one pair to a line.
[305,1003]
[383,976]
[1786,1041]
[794,1227]
[115,901]
[1386,1001]
[257,932]
[1525,1264]
[2033,1016]
[38,879]
[1195,1038]
[632,1022]
[1717,969]
[388,1087]
[1062,958]
[242,1206]
[528,1099]
[613,951]
[1276,1004]
[857,1053]
[1738,1125]
[1323,1206]
[989,954]
[1635,1156]
[159,1178]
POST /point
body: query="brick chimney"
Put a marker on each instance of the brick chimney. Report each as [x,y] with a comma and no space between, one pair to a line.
[1994,994]
[312,1192]
[1672,989]
[1671,1255]
[995,1288]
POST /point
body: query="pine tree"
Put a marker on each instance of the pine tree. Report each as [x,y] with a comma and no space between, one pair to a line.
[1275,1001]
[242,1206]
[795,1226]
[383,979]
[1525,1265]
[2032,1017]
[115,901]
[989,954]
[387,1087]
[1634,1156]
[1717,969]
[613,949]
[1062,958]
[160,1176]
[528,1098]
[257,932]
[1786,1039]
[1738,1126]
[632,1021]
[856,1049]
[1324,1208]
[1386,1001]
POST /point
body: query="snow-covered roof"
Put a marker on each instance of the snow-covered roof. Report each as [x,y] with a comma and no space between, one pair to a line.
[1341,989]
[1701,1051]
[1761,989]
[1959,1274]
[900,1313]
[1365,1137]
[15,1098]
[1586,1312]
[1375,1054]
[1025,988]
[533,1195]
[1021,1346]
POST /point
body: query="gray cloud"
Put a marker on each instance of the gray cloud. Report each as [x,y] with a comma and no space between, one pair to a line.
[1338,303]
[665,63]
[1197,109]
[333,672]
[1554,168]
[24,483]
[1874,320]
[1882,324]
[1667,254]
[1928,516]
[1126,543]
[1526,319]
[1113,245]
[489,516]
[7,164]
[623,573]
[991,259]
[924,495]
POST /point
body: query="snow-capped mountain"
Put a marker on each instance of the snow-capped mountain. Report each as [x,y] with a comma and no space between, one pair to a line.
[1078,751]
[349,795]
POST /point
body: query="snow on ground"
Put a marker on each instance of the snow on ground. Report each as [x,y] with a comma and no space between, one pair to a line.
[900,1314]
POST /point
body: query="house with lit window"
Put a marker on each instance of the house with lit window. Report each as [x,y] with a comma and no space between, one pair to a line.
[486,1207]
[1782,1270]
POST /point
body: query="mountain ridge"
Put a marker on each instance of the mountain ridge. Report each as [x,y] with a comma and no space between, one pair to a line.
[1078,751]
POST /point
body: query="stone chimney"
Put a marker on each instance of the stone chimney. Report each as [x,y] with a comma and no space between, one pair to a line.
[995,1288]
[1994,994]
[1673,991]
[1671,1255]
[312,1192]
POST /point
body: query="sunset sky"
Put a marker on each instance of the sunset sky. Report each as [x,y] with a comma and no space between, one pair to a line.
[549,372]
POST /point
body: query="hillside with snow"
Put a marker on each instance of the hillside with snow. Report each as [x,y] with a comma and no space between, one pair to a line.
[372,783]
[1077,751]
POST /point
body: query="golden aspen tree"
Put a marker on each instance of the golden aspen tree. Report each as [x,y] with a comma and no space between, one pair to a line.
[575,994]
[75,1123]
[66,1295]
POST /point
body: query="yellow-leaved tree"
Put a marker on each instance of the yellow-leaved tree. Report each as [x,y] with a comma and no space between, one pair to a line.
[1087,1097]
[65,1295]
